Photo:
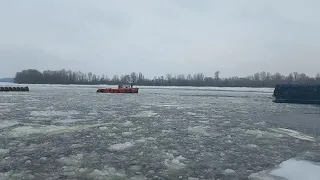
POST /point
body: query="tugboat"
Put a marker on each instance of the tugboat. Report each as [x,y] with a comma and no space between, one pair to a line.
[297,93]
[121,89]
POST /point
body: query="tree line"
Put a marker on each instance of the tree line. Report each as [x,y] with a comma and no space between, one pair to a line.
[262,79]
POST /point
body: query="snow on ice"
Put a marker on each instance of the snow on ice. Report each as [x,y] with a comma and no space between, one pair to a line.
[292,169]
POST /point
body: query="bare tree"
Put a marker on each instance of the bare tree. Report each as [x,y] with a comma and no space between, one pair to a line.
[189,77]
[295,76]
[216,75]
[290,78]
[134,77]
[256,77]
[263,76]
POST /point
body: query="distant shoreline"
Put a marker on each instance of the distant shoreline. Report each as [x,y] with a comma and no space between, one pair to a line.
[144,85]
[68,77]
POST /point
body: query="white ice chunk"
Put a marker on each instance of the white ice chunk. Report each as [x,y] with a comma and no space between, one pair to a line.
[294,134]
[67,121]
[50,113]
[135,168]
[6,124]
[121,147]
[73,160]
[191,113]
[126,133]
[141,140]
[193,178]
[52,129]
[165,131]
[128,124]
[150,138]
[107,173]
[138,178]
[112,134]
[252,146]
[263,134]
[181,158]
[260,123]
[173,164]
[92,113]
[229,171]
[103,128]
[4,151]
[145,114]
[170,155]
[198,130]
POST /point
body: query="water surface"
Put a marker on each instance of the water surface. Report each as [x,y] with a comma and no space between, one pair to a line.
[71,132]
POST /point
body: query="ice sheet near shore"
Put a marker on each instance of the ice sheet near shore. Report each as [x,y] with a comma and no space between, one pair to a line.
[292,169]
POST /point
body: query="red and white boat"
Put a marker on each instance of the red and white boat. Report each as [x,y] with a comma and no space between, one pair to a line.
[121,89]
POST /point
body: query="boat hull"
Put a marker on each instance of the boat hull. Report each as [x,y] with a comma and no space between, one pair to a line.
[121,90]
[296,101]
[297,93]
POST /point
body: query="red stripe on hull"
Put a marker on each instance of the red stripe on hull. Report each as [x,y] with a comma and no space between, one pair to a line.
[123,90]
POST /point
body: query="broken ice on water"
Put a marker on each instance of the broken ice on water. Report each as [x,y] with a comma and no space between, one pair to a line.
[157,134]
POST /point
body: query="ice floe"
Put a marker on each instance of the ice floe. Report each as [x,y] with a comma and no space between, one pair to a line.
[252,146]
[103,128]
[191,113]
[126,133]
[6,124]
[263,134]
[293,133]
[173,164]
[145,114]
[292,169]
[73,160]
[69,121]
[193,178]
[127,124]
[121,147]
[198,130]
[106,173]
[3,152]
[143,140]
[50,113]
[229,171]
[51,129]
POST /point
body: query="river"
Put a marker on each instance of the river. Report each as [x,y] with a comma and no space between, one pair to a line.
[72,132]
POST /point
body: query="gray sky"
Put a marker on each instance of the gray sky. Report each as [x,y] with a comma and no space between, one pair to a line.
[236,37]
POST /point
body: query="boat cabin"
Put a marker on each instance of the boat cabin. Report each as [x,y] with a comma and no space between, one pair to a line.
[121,86]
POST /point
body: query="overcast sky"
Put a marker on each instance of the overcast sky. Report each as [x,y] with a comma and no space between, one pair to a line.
[236,37]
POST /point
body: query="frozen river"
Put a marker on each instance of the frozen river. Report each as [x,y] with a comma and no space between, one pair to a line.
[71,132]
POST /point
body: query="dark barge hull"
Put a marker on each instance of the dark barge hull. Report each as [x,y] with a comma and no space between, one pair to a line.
[297,101]
[297,93]
[8,89]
